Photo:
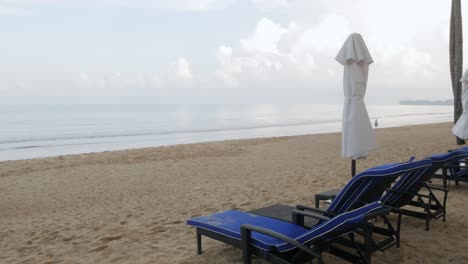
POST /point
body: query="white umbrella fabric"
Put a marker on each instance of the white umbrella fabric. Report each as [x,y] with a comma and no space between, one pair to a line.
[357,135]
[461,127]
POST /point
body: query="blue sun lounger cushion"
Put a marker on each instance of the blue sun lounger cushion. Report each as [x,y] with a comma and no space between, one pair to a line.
[407,181]
[229,223]
[454,165]
[369,185]
[416,179]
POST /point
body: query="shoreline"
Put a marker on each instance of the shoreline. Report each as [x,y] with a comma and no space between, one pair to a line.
[131,206]
[202,142]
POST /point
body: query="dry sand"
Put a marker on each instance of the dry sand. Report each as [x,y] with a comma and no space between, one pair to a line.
[131,206]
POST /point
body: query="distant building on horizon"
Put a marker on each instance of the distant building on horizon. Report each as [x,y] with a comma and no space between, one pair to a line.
[426,102]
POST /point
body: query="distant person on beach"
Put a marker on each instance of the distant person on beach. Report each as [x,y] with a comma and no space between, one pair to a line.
[376,124]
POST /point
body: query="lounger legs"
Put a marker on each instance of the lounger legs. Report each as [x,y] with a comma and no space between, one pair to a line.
[245,245]
[444,177]
[368,245]
[366,252]
[428,217]
[398,230]
[199,243]
[445,205]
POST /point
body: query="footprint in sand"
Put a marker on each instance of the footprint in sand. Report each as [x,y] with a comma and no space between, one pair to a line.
[110,238]
[99,248]
[196,215]
[157,229]
[175,222]
[246,204]
[68,239]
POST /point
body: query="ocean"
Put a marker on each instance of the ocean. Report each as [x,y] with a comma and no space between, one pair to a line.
[32,131]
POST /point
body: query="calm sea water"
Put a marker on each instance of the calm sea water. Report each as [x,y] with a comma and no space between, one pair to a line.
[30,131]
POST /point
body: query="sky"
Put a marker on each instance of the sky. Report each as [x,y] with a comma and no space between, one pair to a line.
[219,51]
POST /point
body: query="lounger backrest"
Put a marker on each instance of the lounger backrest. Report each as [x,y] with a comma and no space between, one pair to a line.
[451,158]
[336,226]
[408,185]
[369,185]
[454,166]
[462,149]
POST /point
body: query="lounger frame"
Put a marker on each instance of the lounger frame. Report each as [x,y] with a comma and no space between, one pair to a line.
[345,247]
[411,195]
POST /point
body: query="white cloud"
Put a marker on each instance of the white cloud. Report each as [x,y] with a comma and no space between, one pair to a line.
[329,35]
[182,69]
[256,57]
[265,37]
[295,44]
[406,51]
[275,52]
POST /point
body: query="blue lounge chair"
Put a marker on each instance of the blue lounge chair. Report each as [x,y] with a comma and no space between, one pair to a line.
[370,186]
[365,188]
[279,241]
[407,190]
[457,169]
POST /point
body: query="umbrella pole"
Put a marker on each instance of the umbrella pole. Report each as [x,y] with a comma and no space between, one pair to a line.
[353,167]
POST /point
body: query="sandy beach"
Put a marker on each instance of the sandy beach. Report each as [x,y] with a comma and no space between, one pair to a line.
[131,206]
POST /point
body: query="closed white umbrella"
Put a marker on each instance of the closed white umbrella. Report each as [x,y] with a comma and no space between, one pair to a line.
[461,127]
[357,135]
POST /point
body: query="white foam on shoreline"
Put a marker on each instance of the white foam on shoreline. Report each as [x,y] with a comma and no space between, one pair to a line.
[28,135]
